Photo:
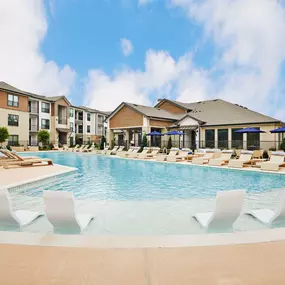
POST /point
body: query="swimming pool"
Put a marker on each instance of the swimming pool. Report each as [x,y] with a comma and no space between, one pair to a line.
[108,178]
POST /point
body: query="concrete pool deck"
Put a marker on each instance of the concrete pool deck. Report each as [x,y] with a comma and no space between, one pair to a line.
[13,177]
[101,257]
[237,264]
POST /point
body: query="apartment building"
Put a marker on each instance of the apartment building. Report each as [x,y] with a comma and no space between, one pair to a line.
[88,125]
[25,114]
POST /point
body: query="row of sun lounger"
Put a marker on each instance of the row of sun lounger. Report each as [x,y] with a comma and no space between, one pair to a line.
[11,159]
[60,212]
[213,157]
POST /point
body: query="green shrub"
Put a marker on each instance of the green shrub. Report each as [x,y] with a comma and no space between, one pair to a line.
[102,142]
[282,145]
[144,142]
[169,143]
[43,137]
[4,134]
[265,155]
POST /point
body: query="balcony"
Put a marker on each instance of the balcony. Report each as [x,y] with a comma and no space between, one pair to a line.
[62,121]
[33,110]
[33,128]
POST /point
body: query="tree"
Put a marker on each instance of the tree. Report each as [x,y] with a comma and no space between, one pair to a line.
[282,146]
[43,137]
[169,143]
[102,142]
[144,141]
[4,134]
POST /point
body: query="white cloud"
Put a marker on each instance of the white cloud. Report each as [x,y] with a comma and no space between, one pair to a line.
[144,2]
[250,48]
[159,78]
[23,27]
[126,46]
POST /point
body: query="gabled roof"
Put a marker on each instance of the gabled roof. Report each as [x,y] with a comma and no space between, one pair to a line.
[221,112]
[178,104]
[149,112]
[91,110]
[56,98]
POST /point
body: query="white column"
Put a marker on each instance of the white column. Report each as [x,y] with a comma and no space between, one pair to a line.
[216,138]
[244,138]
[230,138]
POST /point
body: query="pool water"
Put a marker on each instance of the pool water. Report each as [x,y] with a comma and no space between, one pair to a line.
[108,178]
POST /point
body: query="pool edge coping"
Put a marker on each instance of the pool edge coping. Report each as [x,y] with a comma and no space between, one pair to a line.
[121,241]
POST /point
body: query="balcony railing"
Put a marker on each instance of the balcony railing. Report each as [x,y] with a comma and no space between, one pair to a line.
[33,110]
[33,128]
[62,121]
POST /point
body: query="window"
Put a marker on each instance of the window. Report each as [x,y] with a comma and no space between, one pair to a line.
[210,138]
[80,129]
[13,100]
[13,120]
[45,107]
[88,117]
[100,131]
[88,129]
[71,113]
[223,138]
[237,139]
[100,119]
[13,140]
[253,140]
[71,127]
[45,124]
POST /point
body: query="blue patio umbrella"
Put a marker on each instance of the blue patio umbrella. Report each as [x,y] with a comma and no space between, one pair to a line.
[249,131]
[277,131]
[154,133]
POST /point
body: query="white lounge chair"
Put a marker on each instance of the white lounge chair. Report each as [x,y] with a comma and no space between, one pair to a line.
[152,154]
[16,219]
[182,154]
[268,216]
[60,211]
[243,160]
[75,148]
[204,159]
[223,159]
[172,153]
[136,154]
[229,205]
[276,160]
[112,151]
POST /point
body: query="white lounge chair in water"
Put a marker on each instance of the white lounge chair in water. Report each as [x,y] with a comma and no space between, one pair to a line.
[228,208]
[16,219]
[60,211]
[270,217]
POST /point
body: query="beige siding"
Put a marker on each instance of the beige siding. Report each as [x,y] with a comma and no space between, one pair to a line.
[22,130]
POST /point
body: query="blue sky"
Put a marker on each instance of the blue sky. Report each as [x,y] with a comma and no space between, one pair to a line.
[87,33]
[102,52]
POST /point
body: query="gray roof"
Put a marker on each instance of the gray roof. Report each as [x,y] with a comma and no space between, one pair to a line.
[155,112]
[220,112]
[7,87]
